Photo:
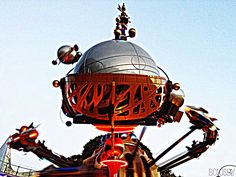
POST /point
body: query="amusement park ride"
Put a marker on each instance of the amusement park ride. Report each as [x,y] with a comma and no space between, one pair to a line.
[117,86]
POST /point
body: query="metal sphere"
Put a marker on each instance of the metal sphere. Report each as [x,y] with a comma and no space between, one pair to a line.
[68,123]
[56,83]
[132,32]
[63,50]
[54,62]
[176,86]
[66,54]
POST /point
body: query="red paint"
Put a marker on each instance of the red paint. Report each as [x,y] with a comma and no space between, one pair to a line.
[114,166]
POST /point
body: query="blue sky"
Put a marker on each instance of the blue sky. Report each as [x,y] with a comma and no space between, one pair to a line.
[193,41]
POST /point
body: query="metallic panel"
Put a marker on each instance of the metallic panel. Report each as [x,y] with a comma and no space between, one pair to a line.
[116,56]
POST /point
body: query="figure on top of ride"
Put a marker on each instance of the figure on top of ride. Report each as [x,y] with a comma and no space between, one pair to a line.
[122,25]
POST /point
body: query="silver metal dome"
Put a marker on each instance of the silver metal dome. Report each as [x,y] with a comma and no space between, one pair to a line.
[116,56]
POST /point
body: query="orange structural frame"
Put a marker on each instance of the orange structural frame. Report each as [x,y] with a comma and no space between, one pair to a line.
[117,128]
[125,96]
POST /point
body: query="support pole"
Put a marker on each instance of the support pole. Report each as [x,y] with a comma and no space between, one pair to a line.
[192,153]
[162,169]
[192,129]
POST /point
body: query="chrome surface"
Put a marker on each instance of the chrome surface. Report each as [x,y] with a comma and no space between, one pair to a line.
[115,56]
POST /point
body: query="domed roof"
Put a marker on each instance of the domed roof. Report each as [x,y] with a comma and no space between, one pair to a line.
[115,56]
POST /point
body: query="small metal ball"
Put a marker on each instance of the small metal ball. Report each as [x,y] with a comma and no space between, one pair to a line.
[54,62]
[56,83]
[76,47]
[176,86]
[132,32]
[68,123]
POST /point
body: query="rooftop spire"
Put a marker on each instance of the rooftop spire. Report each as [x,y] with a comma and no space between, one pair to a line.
[122,25]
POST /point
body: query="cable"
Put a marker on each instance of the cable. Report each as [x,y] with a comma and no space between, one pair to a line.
[163,72]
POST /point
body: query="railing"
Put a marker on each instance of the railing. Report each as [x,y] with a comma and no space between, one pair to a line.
[6,168]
